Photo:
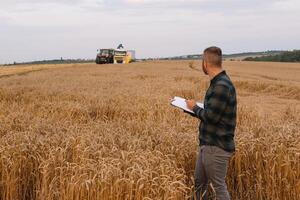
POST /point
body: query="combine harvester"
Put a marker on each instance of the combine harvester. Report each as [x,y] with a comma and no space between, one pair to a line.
[116,56]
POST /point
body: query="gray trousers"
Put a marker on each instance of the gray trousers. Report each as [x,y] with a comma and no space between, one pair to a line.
[211,167]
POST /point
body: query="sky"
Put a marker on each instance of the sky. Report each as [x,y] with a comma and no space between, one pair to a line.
[50,29]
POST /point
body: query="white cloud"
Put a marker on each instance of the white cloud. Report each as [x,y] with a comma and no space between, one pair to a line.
[287,5]
[162,1]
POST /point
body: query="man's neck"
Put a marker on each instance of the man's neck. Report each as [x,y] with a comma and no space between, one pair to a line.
[214,72]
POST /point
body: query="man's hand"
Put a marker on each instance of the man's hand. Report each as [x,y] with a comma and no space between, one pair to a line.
[190,104]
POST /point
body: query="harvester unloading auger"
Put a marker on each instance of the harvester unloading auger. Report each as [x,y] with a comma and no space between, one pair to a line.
[119,55]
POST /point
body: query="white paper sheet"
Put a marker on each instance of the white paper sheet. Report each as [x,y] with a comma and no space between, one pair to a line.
[180,103]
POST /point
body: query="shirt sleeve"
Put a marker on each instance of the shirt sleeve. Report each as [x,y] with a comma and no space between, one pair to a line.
[215,106]
[192,114]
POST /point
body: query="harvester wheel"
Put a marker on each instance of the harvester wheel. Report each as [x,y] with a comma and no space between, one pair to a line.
[98,60]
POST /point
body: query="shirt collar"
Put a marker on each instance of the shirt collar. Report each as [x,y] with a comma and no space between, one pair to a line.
[219,75]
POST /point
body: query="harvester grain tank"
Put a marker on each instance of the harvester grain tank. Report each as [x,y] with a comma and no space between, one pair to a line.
[131,54]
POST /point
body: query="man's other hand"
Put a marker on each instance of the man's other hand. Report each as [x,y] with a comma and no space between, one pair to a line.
[190,104]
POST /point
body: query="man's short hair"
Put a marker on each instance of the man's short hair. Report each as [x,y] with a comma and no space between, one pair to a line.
[213,55]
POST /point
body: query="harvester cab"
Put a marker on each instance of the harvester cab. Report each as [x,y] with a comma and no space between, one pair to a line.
[120,57]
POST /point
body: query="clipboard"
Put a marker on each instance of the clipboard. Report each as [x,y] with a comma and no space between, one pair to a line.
[179,102]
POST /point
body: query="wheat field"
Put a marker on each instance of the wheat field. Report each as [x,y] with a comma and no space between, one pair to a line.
[89,132]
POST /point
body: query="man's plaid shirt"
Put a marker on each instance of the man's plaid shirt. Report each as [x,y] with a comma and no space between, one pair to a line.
[218,118]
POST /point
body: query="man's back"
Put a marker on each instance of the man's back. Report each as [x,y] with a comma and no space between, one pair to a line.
[218,122]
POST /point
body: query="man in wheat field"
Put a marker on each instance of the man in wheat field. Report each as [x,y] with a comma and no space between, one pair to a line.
[218,122]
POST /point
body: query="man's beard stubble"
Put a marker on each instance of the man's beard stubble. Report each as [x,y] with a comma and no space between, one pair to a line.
[203,68]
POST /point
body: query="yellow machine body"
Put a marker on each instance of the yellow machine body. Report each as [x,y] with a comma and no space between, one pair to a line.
[122,57]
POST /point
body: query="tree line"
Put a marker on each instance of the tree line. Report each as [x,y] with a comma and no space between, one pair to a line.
[287,56]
